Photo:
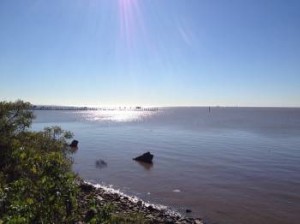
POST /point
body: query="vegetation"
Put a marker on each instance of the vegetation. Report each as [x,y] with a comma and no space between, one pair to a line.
[37,184]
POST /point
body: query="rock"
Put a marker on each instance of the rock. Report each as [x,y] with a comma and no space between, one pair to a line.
[100,163]
[188,210]
[169,221]
[198,221]
[150,216]
[100,198]
[139,203]
[146,158]
[87,188]
[74,144]
[150,208]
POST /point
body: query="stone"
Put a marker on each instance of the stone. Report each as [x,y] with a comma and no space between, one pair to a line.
[146,158]
[169,221]
[139,203]
[100,198]
[74,144]
[198,221]
[87,188]
[100,163]
[188,210]
[150,208]
[150,216]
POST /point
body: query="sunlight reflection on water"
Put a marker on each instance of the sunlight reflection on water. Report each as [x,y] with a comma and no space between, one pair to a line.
[226,164]
[117,115]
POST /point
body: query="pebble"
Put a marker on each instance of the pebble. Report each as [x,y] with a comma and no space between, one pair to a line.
[100,198]
[197,221]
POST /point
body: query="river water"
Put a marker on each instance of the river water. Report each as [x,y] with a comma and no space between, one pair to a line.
[228,165]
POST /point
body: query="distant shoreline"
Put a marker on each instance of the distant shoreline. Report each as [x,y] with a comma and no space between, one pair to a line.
[80,108]
[147,108]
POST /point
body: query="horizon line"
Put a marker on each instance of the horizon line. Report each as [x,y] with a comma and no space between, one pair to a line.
[152,106]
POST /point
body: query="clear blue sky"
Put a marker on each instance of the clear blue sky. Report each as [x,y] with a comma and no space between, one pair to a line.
[151,52]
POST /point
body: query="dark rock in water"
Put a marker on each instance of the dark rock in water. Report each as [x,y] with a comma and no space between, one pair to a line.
[74,144]
[101,163]
[188,210]
[146,158]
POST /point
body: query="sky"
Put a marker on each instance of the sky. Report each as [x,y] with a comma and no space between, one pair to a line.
[151,52]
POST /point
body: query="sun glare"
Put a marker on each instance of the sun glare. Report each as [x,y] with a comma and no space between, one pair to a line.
[117,115]
[129,15]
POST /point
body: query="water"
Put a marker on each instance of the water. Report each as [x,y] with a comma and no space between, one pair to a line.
[232,165]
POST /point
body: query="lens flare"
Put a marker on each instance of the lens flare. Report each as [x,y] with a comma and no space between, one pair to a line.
[128,16]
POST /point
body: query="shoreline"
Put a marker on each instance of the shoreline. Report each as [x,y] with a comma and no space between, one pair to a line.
[124,204]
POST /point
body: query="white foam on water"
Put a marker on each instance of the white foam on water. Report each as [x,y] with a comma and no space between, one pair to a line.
[110,190]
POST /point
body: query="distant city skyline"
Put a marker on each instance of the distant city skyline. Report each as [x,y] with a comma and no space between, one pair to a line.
[151,52]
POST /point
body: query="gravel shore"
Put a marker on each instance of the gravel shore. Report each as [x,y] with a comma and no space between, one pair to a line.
[125,205]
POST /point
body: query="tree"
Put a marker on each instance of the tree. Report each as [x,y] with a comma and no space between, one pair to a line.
[37,184]
[15,117]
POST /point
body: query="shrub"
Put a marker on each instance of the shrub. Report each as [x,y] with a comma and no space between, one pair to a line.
[37,184]
[36,181]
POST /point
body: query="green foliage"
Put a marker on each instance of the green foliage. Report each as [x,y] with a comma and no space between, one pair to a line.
[106,214]
[36,181]
[37,184]
[99,214]
[14,118]
[136,218]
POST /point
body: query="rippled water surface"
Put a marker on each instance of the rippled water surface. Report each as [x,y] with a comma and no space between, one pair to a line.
[229,165]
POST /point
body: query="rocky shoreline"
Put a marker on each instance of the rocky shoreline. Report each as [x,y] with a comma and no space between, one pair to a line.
[124,205]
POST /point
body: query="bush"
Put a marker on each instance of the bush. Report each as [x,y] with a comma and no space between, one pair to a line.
[37,184]
[36,181]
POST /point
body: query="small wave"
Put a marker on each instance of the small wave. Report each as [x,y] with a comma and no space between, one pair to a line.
[110,190]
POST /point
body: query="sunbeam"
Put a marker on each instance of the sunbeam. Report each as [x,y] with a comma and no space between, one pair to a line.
[128,17]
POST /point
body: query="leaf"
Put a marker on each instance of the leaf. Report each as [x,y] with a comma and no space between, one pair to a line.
[29,201]
[33,170]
